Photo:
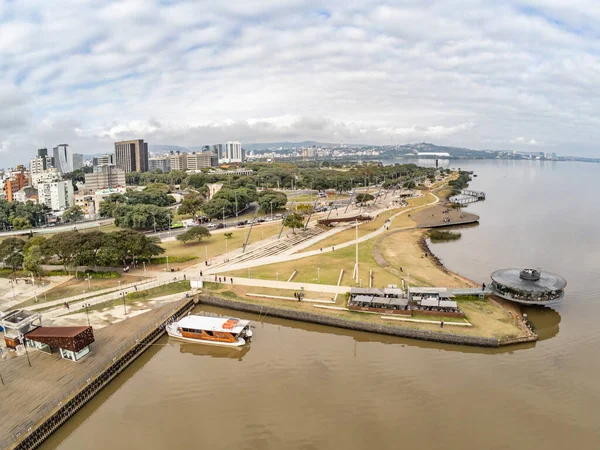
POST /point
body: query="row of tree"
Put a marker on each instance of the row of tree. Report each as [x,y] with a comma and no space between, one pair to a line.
[73,249]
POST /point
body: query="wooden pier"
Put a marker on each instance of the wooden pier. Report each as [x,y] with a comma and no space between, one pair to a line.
[37,400]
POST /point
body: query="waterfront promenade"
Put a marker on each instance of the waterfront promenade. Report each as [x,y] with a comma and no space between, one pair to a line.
[30,394]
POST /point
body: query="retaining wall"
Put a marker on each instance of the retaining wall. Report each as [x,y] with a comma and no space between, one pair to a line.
[331,321]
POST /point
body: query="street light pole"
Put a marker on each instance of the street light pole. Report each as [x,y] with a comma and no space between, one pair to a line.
[89,281]
[87,313]
[271,210]
[167,263]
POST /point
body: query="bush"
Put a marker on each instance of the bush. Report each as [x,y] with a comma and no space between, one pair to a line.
[439,235]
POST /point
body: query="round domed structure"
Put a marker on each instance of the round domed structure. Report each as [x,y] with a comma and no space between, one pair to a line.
[528,286]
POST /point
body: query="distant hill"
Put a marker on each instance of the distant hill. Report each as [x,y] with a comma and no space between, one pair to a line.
[275,145]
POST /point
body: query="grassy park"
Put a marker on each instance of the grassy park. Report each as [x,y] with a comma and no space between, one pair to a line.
[79,286]
[488,318]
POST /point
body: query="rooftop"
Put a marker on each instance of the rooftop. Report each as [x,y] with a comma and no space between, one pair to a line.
[529,280]
[212,323]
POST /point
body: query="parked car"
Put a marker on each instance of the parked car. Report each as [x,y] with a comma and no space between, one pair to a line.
[241,223]
[220,225]
[211,226]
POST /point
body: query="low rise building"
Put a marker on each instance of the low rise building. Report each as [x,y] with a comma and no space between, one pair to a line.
[201,160]
[14,183]
[17,323]
[86,203]
[73,343]
[100,195]
[25,194]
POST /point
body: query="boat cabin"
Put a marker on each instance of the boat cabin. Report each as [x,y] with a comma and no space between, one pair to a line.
[215,329]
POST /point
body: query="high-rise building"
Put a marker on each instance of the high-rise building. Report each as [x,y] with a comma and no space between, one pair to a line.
[57,195]
[178,161]
[108,158]
[63,158]
[233,152]
[37,165]
[218,149]
[104,177]
[160,162]
[77,161]
[132,156]
[43,152]
[47,176]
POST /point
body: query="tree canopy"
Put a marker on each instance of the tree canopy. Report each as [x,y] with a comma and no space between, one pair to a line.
[271,199]
[192,233]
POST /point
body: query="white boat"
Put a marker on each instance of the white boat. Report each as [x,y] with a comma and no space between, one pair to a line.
[222,331]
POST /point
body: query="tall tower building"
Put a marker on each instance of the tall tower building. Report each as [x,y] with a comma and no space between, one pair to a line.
[132,156]
[63,158]
[234,152]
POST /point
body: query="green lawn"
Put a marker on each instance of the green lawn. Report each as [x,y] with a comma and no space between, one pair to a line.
[215,245]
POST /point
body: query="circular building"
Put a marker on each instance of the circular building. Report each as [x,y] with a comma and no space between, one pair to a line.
[528,286]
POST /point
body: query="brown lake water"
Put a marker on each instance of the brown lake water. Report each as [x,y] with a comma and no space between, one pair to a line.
[303,386]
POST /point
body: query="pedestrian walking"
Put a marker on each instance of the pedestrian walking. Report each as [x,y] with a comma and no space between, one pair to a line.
[483,286]
[200,273]
[442,324]
[68,307]
[135,287]
[231,280]
[184,277]
[215,278]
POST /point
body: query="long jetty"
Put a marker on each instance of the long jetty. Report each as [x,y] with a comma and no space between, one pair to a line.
[37,400]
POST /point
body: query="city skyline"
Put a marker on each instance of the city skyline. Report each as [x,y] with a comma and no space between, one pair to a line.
[515,75]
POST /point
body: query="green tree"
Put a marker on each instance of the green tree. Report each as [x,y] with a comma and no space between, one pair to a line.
[21,223]
[73,214]
[278,200]
[66,246]
[363,198]
[190,204]
[128,246]
[194,233]
[32,259]
[142,217]
[216,207]
[11,252]
[294,221]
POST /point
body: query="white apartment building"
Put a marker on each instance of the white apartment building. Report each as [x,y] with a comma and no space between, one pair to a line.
[203,160]
[233,152]
[57,195]
[37,165]
[48,176]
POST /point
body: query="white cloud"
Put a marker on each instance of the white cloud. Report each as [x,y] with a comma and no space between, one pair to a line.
[473,73]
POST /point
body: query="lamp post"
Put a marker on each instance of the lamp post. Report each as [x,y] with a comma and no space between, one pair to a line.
[124,309]
[89,278]
[144,263]
[154,220]
[167,263]
[119,281]
[169,217]
[271,210]
[87,312]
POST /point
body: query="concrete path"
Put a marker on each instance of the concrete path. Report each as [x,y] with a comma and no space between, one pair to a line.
[310,287]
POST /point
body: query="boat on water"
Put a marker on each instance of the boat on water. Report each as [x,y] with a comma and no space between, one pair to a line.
[221,331]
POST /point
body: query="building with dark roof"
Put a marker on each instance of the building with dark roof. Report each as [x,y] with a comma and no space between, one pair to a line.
[528,286]
[72,343]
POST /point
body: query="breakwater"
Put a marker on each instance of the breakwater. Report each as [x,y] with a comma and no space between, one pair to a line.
[338,322]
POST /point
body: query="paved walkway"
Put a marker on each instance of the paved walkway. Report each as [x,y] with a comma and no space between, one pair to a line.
[310,287]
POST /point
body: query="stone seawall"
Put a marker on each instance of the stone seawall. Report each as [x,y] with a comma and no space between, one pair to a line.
[331,321]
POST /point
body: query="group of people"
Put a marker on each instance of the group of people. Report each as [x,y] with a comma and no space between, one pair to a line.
[221,279]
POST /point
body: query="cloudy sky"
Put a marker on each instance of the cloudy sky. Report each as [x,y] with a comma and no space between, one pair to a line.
[514,74]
